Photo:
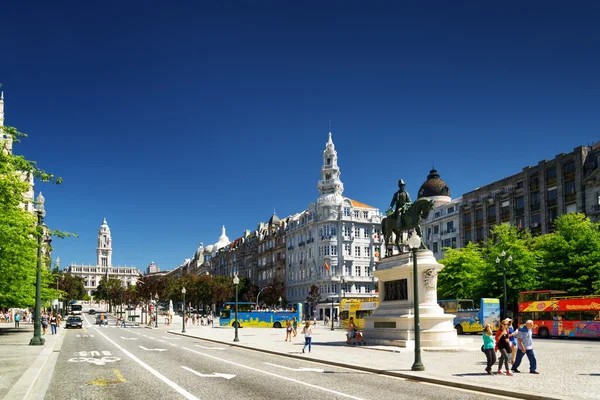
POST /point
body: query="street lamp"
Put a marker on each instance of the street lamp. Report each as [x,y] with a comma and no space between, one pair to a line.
[503,266]
[280,302]
[156,311]
[236,282]
[332,312]
[414,242]
[57,264]
[183,306]
[258,295]
[37,339]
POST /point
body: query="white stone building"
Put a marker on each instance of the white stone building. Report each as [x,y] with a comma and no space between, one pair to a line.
[92,274]
[441,228]
[335,244]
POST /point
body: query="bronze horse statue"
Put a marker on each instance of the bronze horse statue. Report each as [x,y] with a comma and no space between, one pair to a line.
[411,219]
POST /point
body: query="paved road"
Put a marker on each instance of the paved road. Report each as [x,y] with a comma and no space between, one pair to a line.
[139,363]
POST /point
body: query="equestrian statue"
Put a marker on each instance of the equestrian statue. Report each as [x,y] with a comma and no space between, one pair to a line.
[405,216]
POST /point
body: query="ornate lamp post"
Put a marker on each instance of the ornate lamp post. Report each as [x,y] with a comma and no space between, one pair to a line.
[332,298]
[414,242]
[183,306]
[37,339]
[502,264]
[280,302]
[156,311]
[57,264]
[258,295]
[236,282]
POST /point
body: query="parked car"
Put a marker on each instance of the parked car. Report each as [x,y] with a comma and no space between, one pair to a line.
[92,311]
[74,322]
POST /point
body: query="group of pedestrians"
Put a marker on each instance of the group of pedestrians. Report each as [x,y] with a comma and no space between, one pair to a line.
[512,345]
[53,320]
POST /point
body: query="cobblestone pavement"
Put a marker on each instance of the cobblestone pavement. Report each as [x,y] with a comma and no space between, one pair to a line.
[569,369]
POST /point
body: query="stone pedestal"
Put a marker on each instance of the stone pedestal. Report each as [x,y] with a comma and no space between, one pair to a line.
[392,323]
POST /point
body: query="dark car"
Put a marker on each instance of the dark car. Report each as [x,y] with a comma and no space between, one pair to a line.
[74,322]
[92,311]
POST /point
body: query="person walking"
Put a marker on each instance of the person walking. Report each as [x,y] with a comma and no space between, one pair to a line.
[53,323]
[288,330]
[525,346]
[503,344]
[488,348]
[295,326]
[307,332]
[17,319]
[44,323]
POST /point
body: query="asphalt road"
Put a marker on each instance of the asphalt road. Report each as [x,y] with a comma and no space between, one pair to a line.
[139,363]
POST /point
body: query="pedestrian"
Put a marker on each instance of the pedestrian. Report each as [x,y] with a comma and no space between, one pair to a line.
[295,326]
[44,320]
[288,330]
[307,332]
[17,319]
[503,345]
[488,348]
[53,324]
[525,346]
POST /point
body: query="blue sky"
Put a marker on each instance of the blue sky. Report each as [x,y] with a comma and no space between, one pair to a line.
[172,120]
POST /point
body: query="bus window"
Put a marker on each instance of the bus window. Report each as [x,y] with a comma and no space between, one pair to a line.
[244,307]
[225,313]
[365,313]
[588,315]
[571,316]
[344,315]
[466,305]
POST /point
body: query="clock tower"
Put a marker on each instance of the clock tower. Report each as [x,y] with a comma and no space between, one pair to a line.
[104,249]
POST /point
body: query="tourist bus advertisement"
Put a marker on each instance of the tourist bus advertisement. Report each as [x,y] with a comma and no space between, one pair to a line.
[357,309]
[556,315]
[469,319]
[249,317]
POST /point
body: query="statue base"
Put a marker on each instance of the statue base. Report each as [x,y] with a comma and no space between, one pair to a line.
[392,323]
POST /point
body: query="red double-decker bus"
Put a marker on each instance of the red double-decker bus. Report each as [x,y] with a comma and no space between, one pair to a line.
[556,315]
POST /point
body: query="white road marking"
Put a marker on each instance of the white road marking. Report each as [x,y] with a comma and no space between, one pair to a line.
[142,347]
[160,340]
[129,338]
[96,361]
[213,375]
[172,344]
[297,369]
[171,338]
[154,372]
[210,348]
[278,376]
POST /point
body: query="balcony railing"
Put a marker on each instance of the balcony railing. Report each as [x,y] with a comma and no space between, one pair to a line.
[535,207]
[520,211]
[505,217]
[534,187]
[492,218]
[301,244]
[551,202]
[571,198]
[569,176]
[311,240]
[551,181]
[479,222]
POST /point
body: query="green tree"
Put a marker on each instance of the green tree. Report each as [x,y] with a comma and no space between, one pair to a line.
[571,255]
[521,273]
[461,277]
[313,298]
[222,289]
[273,291]
[71,286]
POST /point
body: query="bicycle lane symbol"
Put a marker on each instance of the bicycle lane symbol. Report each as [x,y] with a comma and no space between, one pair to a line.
[85,356]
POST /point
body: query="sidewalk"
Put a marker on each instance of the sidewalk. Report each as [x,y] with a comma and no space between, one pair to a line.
[22,364]
[568,369]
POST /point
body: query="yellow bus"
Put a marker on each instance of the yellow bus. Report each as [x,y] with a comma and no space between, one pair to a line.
[357,309]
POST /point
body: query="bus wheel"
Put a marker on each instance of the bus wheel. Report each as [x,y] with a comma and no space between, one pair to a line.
[235,324]
[459,329]
[277,325]
[543,332]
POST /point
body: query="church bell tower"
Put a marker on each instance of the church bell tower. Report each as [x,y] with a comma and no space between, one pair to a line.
[104,249]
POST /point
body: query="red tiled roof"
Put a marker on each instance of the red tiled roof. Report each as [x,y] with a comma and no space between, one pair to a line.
[359,204]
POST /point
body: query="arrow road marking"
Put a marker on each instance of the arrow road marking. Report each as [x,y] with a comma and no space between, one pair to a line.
[152,349]
[213,375]
[297,369]
[210,348]
[129,338]
[104,382]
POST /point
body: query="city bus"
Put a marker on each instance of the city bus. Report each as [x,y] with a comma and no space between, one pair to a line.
[74,309]
[468,319]
[554,314]
[357,309]
[249,317]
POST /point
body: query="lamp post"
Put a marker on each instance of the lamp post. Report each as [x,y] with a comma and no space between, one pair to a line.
[57,264]
[122,316]
[156,311]
[258,295]
[236,282]
[280,302]
[414,242]
[37,339]
[183,306]
[332,312]
[501,263]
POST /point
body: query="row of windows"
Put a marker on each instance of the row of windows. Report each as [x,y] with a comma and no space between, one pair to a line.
[349,270]
[103,270]
[333,289]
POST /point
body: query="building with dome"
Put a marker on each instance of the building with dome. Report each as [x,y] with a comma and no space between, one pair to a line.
[440,228]
[335,243]
[91,274]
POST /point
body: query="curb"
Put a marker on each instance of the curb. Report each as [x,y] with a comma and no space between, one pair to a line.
[512,393]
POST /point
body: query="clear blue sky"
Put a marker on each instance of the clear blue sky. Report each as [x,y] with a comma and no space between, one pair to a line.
[172,120]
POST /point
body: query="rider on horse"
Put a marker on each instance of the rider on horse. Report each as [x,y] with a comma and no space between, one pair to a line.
[402,202]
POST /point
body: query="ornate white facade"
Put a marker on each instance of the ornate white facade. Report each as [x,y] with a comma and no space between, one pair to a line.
[92,274]
[335,243]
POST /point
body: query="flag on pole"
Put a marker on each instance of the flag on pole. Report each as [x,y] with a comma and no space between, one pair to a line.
[327,266]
